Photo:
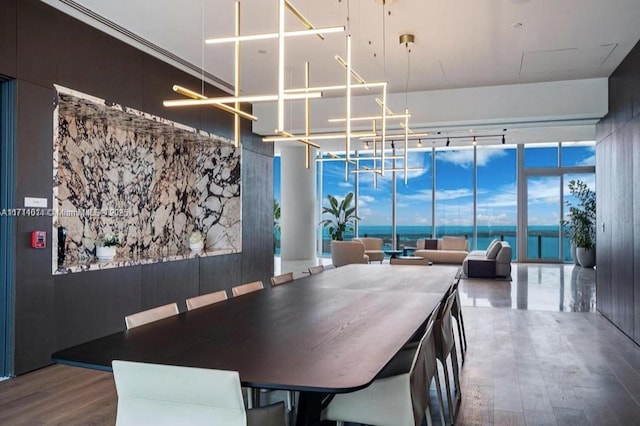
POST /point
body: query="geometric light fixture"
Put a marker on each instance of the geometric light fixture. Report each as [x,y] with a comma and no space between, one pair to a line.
[280,96]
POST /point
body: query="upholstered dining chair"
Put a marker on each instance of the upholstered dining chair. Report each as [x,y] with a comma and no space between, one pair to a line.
[347,252]
[446,348]
[159,395]
[281,279]
[315,270]
[151,315]
[241,289]
[206,299]
[399,396]
[456,312]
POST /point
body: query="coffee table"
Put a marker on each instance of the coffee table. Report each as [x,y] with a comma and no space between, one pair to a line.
[393,253]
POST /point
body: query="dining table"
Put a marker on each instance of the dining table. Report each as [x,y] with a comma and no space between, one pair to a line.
[319,335]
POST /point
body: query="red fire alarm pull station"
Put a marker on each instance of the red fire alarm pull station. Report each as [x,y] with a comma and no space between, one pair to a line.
[39,239]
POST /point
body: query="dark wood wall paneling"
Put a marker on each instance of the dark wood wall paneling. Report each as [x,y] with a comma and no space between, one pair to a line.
[8,10]
[618,192]
[41,46]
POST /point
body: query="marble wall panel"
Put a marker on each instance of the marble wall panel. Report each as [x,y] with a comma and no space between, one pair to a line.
[150,180]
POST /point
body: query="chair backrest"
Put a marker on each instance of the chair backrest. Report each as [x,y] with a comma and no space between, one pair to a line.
[151,315]
[444,328]
[171,395]
[422,371]
[371,243]
[241,289]
[281,279]
[314,270]
[206,299]
[347,252]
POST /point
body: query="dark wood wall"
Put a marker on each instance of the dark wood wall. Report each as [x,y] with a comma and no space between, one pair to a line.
[618,200]
[40,47]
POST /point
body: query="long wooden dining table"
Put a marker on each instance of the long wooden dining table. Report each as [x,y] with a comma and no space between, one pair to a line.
[322,334]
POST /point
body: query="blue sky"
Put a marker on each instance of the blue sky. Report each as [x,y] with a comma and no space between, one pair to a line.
[454,182]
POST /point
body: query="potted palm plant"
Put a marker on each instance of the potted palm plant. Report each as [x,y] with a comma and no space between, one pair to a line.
[342,216]
[582,222]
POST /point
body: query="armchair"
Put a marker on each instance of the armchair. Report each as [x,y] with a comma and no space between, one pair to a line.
[347,252]
[372,248]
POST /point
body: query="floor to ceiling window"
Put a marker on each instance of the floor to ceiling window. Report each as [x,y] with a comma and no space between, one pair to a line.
[454,192]
[548,169]
[414,200]
[337,181]
[496,196]
[467,191]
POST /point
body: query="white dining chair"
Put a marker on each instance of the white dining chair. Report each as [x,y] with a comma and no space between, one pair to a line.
[281,279]
[446,349]
[151,315]
[163,395]
[206,299]
[315,270]
[399,396]
[242,289]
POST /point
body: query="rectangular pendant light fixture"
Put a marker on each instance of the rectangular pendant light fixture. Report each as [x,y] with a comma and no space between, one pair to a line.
[233,99]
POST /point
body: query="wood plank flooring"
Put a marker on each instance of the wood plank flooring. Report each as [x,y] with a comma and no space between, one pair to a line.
[547,368]
[59,395]
[523,367]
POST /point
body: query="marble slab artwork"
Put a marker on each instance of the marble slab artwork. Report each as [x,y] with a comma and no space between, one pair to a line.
[152,181]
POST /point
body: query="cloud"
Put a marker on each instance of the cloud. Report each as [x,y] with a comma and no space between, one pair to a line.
[464,157]
[453,194]
[363,200]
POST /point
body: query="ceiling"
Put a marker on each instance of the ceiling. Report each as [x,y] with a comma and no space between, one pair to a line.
[458,43]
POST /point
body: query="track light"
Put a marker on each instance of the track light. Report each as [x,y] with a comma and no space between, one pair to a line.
[448,142]
[420,142]
[366,144]
[503,140]
[474,141]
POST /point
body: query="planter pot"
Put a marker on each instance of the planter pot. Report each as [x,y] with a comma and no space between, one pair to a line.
[574,256]
[105,253]
[586,257]
[196,247]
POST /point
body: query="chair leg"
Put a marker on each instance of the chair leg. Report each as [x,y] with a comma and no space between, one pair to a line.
[460,336]
[249,398]
[464,333]
[439,393]
[428,416]
[289,400]
[448,389]
[456,374]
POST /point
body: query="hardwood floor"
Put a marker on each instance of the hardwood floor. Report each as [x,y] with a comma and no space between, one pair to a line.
[528,362]
[59,395]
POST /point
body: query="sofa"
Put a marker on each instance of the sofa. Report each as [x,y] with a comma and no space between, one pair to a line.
[372,248]
[444,250]
[493,262]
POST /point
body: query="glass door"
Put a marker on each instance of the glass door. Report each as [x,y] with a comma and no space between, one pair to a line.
[544,208]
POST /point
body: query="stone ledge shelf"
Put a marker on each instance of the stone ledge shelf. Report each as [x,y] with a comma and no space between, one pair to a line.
[122,261]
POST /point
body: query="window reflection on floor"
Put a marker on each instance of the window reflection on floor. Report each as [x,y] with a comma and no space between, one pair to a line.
[543,287]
